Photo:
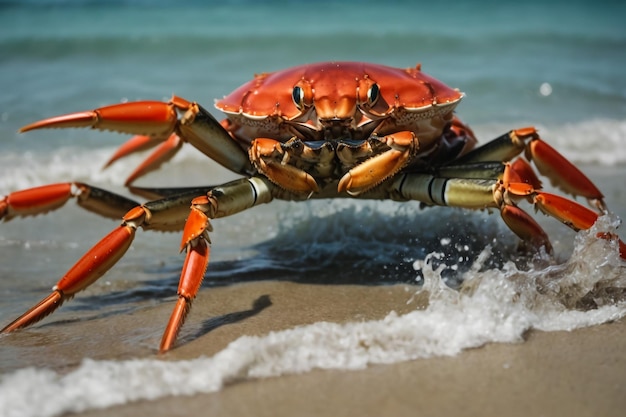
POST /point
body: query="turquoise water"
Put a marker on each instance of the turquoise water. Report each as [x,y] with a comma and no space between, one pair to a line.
[558,67]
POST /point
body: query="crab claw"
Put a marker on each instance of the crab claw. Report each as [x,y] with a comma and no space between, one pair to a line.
[287,176]
[153,118]
[375,170]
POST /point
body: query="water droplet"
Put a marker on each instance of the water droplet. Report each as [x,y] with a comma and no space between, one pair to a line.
[545,89]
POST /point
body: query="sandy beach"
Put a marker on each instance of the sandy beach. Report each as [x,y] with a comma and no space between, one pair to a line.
[577,373]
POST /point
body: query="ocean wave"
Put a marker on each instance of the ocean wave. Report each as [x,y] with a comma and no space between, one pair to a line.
[119,44]
[494,306]
[598,141]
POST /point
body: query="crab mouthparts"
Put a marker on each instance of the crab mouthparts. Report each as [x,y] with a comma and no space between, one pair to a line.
[336,129]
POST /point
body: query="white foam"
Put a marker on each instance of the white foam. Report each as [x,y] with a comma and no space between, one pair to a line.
[29,169]
[598,141]
[495,305]
[594,141]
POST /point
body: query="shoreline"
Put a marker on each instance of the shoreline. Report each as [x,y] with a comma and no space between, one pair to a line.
[575,373]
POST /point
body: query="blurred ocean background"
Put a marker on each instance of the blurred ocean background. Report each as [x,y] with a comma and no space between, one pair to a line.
[557,66]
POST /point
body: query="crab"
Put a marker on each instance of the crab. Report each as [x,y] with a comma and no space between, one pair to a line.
[325,130]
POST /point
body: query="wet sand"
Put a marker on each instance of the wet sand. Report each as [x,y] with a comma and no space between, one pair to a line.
[577,373]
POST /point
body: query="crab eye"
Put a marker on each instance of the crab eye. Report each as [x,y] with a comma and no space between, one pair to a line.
[373,94]
[298,97]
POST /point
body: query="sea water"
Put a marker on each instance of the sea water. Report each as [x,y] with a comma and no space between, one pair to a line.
[558,68]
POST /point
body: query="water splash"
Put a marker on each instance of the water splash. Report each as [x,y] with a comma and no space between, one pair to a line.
[492,305]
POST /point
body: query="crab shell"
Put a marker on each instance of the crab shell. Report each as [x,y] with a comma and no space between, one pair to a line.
[408,99]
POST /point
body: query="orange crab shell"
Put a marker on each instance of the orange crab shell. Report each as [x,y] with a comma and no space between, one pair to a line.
[270,94]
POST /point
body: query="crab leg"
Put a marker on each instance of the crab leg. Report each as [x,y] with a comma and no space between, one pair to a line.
[137,143]
[221,201]
[165,215]
[85,272]
[549,162]
[196,241]
[472,193]
[564,174]
[573,215]
[162,154]
[159,120]
[502,192]
[525,227]
[42,199]
[436,190]
[568,212]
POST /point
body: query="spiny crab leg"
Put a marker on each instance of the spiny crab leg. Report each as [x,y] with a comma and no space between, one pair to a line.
[153,118]
[137,143]
[196,241]
[166,215]
[159,120]
[482,186]
[85,272]
[161,154]
[549,162]
[221,201]
[42,199]
[572,214]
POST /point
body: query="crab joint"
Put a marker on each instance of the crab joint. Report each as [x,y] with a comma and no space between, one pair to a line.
[136,217]
[196,227]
